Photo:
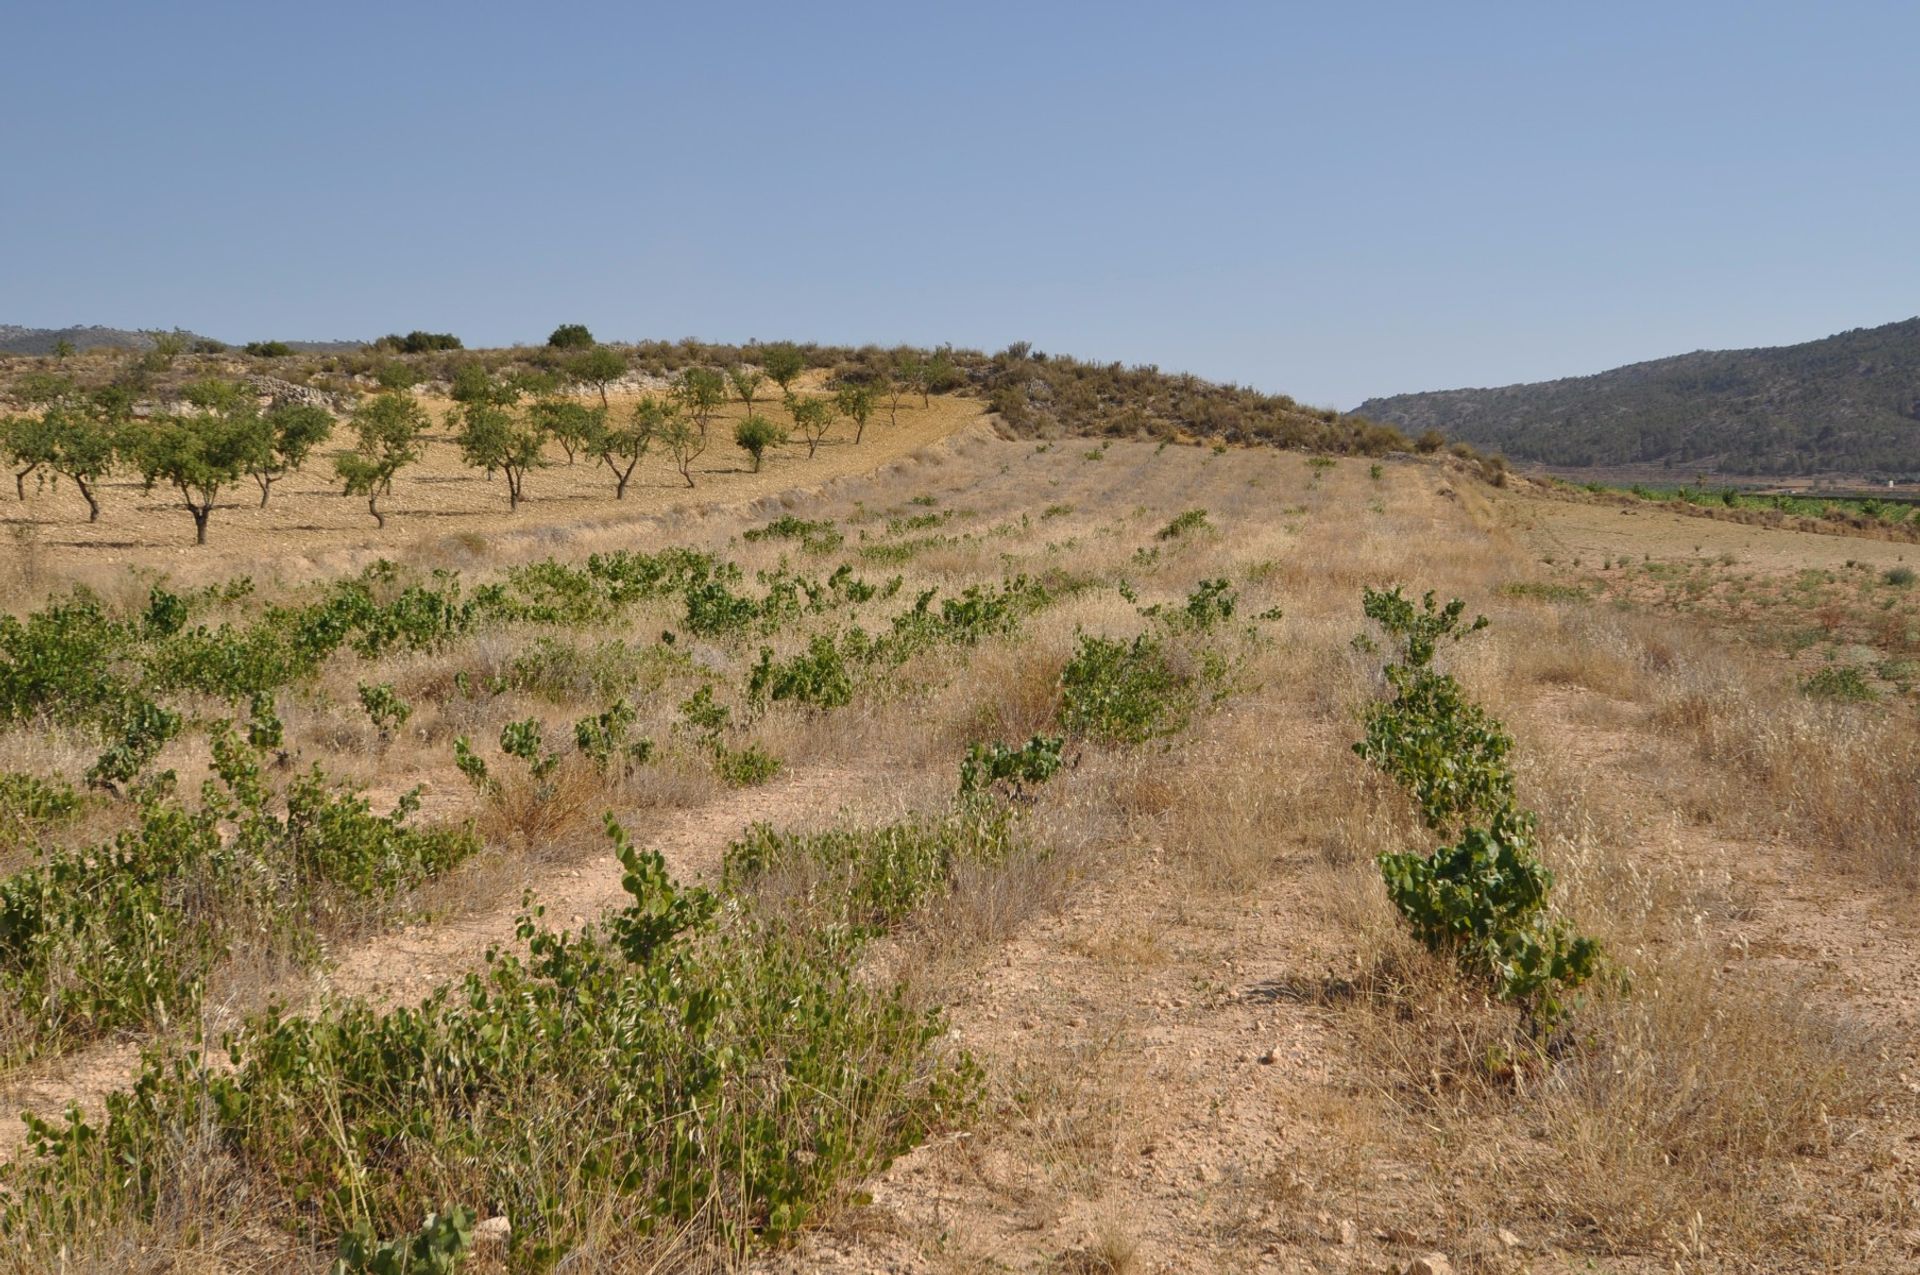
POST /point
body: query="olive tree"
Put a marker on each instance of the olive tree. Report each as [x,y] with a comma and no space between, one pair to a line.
[387,428]
[571,336]
[291,432]
[598,367]
[813,417]
[493,438]
[754,435]
[855,402]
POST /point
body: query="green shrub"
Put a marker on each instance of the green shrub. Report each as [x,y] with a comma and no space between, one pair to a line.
[1124,692]
[1016,768]
[1185,524]
[1899,577]
[814,536]
[384,708]
[1483,899]
[710,1072]
[606,738]
[1447,752]
[870,878]
[1839,682]
[816,676]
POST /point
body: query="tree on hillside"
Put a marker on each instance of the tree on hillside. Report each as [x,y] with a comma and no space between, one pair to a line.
[620,447]
[23,441]
[910,374]
[598,367]
[813,417]
[394,375]
[570,424]
[418,342]
[82,444]
[473,383]
[493,438]
[388,429]
[684,441]
[942,374]
[534,382]
[855,402]
[700,392]
[902,375]
[746,382]
[784,363]
[199,456]
[754,435]
[291,432]
[571,336]
[62,350]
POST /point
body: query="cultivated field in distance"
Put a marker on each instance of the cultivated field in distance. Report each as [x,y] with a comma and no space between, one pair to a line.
[996,813]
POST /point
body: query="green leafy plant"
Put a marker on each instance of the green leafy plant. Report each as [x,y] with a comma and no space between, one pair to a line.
[1186,524]
[1483,899]
[1841,682]
[1124,692]
[384,708]
[1013,768]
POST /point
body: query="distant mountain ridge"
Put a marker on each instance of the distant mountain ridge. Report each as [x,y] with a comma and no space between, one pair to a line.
[1848,403]
[16,339]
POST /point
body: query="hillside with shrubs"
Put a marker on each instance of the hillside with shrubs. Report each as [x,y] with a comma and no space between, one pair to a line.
[1848,403]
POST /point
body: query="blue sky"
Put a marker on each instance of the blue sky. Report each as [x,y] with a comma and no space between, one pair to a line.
[1329,200]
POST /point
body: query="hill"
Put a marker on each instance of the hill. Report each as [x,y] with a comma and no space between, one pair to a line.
[18,339]
[1849,403]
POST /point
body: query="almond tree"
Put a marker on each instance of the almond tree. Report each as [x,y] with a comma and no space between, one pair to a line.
[754,435]
[572,425]
[620,447]
[910,373]
[598,367]
[23,439]
[292,431]
[388,428]
[198,456]
[684,441]
[493,438]
[746,382]
[24,442]
[855,402]
[700,393]
[784,363]
[813,417]
[81,444]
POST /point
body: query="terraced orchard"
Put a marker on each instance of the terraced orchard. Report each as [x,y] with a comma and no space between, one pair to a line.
[965,863]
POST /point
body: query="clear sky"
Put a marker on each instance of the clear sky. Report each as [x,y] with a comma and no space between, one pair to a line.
[1333,200]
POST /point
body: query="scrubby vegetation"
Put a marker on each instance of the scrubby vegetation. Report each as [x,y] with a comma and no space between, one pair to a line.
[1842,404]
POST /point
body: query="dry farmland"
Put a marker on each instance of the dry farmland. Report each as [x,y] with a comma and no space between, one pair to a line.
[950,854]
